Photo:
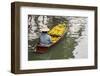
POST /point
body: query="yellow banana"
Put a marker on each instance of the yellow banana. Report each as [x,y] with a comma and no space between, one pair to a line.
[57,30]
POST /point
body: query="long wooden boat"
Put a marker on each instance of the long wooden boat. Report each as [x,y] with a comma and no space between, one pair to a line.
[43,49]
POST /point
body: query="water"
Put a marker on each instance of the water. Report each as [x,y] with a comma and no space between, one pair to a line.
[73,45]
[62,50]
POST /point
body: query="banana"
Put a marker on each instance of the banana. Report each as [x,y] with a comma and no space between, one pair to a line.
[57,30]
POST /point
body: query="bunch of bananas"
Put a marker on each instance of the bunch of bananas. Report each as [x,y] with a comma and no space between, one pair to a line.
[54,38]
[57,30]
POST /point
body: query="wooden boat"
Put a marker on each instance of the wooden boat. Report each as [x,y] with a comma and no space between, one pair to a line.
[43,49]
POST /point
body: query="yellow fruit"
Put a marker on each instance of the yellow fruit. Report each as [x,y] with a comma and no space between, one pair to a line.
[57,30]
[54,38]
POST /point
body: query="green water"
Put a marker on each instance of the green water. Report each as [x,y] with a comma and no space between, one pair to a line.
[62,50]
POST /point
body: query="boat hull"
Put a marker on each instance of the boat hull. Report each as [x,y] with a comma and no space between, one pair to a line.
[41,49]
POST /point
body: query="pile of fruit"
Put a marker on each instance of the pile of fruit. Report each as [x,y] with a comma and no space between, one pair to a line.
[54,38]
[57,31]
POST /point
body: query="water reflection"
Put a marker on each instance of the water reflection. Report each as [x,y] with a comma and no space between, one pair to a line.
[69,46]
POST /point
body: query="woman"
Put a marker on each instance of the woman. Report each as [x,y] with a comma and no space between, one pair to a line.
[45,39]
